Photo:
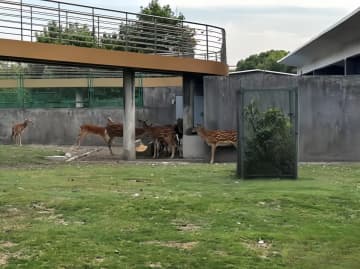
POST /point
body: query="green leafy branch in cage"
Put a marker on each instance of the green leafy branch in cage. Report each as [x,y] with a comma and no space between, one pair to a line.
[269,141]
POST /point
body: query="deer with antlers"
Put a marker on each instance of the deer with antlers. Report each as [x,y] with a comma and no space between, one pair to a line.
[216,138]
[18,129]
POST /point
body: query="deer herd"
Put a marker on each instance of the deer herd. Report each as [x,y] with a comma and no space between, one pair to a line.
[165,138]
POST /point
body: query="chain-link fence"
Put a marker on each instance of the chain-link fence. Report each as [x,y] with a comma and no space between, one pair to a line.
[267,133]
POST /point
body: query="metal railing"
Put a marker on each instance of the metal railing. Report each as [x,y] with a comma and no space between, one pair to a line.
[79,25]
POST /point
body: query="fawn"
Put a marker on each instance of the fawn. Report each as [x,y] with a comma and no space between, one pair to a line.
[18,129]
[216,138]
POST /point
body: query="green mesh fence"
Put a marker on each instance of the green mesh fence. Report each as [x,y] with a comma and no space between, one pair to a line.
[9,98]
[63,97]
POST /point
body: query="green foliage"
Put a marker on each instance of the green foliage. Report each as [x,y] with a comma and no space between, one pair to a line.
[266,61]
[155,9]
[74,34]
[270,148]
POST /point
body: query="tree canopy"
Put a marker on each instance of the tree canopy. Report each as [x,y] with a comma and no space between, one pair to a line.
[146,34]
[74,34]
[265,60]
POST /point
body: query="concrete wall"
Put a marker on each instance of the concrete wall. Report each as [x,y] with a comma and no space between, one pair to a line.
[329,107]
[61,126]
[329,118]
[220,102]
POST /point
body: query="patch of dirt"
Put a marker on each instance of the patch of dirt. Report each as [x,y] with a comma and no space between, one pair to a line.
[221,253]
[104,155]
[3,259]
[187,227]
[261,247]
[173,244]
[43,210]
[154,265]
[99,259]
[7,244]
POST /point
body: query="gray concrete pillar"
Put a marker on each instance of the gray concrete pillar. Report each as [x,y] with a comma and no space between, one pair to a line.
[188,102]
[129,115]
[79,98]
[192,85]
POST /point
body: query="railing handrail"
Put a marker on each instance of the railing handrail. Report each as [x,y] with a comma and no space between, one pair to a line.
[132,13]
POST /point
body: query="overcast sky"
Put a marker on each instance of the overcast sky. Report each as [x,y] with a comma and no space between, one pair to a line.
[253,26]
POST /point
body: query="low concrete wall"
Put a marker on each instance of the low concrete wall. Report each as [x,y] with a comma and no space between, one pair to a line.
[329,118]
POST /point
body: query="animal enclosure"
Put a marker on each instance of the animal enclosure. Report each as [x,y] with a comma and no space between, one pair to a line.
[267,133]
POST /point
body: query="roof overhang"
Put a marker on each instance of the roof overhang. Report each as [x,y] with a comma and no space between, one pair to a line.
[338,42]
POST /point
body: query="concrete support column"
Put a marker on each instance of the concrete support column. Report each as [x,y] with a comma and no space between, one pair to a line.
[346,67]
[193,145]
[79,99]
[129,115]
[189,85]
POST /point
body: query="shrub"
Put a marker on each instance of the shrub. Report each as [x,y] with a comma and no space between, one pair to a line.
[269,143]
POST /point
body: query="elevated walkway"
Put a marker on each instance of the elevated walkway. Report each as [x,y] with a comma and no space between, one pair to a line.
[23,51]
[61,33]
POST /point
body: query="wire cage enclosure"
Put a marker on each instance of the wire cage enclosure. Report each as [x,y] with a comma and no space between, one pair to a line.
[267,133]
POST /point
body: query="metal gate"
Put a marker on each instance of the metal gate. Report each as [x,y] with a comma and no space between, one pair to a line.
[267,133]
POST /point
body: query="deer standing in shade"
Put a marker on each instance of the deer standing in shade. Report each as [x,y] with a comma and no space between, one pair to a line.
[216,138]
[18,129]
[116,130]
[161,134]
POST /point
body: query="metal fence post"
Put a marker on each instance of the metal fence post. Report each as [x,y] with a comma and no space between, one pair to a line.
[98,31]
[59,21]
[296,131]
[207,43]
[155,35]
[223,47]
[21,19]
[31,24]
[241,138]
[93,26]
[126,31]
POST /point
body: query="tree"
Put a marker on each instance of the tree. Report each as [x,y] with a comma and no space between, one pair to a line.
[153,34]
[147,34]
[265,60]
[73,34]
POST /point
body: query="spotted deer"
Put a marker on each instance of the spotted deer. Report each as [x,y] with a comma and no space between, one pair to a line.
[117,130]
[217,138]
[18,129]
[86,129]
[161,134]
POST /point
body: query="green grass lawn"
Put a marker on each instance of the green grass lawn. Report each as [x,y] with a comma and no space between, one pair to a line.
[176,216]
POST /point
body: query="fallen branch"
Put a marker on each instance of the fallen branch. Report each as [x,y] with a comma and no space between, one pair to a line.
[82,155]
